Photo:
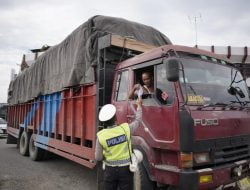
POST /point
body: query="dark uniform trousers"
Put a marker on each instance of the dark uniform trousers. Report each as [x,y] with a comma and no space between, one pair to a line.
[115,177]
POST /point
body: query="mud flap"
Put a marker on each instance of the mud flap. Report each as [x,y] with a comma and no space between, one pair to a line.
[11,140]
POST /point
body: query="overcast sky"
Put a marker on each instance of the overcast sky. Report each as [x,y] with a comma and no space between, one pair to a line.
[29,24]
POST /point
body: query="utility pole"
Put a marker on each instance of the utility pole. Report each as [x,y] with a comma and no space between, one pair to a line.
[194,19]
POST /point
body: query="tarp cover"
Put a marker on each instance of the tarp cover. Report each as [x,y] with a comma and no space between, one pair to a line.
[71,62]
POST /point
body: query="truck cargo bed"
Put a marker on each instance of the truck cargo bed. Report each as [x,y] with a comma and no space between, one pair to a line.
[64,122]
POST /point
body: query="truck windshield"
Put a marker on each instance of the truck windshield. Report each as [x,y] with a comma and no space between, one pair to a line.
[208,83]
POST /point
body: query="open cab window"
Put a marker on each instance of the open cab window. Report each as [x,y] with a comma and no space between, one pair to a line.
[154,84]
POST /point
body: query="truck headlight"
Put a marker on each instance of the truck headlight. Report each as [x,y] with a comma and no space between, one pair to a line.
[201,158]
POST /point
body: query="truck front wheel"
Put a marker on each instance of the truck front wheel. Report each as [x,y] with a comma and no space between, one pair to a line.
[141,179]
[35,152]
[24,144]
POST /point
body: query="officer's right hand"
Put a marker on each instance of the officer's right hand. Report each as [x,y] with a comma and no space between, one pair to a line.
[139,102]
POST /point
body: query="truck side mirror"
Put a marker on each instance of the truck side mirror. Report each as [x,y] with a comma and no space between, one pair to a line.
[236,90]
[172,70]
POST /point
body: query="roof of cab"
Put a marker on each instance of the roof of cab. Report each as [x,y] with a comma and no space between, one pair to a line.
[159,51]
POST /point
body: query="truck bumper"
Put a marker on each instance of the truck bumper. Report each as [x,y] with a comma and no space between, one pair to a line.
[222,177]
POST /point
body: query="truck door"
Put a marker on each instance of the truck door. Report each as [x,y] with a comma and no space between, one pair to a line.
[120,95]
[159,108]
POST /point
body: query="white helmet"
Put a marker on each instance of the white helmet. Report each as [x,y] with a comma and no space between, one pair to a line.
[107,112]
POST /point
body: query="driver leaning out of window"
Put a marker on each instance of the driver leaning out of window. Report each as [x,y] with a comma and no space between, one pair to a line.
[148,89]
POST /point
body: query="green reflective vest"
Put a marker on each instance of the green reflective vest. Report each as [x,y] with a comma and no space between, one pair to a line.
[114,142]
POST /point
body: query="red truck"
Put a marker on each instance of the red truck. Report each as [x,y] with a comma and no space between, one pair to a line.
[197,139]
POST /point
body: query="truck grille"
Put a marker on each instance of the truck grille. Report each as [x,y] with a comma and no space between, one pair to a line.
[226,155]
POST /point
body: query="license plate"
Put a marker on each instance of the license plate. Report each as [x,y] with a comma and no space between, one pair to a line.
[244,184]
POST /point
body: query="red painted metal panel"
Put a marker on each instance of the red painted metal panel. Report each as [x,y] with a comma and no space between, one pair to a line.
[68,104]
[70,148]
[78,114]
[73,158]
[71,132]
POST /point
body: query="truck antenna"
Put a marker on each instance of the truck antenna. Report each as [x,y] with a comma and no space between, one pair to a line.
[194,19]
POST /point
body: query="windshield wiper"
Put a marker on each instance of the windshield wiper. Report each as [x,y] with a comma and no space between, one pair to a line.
[242,104]
[192,89]
[224,105]
[246,102]
[221,104]
[235,90]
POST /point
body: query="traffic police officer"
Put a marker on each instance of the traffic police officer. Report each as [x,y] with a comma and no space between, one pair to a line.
[113,146]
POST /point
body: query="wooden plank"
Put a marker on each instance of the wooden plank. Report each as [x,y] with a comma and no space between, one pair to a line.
[130,43]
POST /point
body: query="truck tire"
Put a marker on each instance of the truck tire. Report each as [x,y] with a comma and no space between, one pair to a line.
[36,153]
[141,179]
[24,144]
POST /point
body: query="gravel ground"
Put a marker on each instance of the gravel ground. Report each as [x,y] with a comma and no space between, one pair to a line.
[55,173]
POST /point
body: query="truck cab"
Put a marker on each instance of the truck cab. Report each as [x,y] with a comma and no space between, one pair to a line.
[199,137]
